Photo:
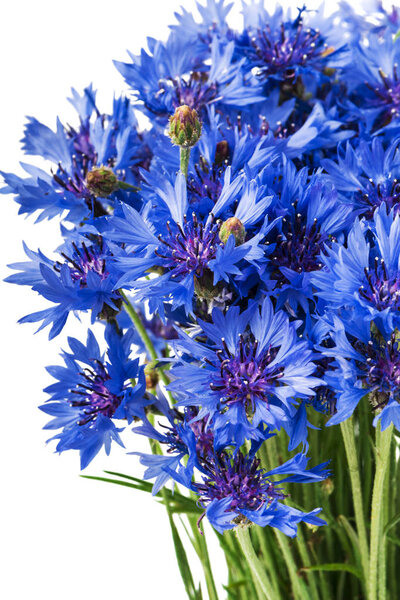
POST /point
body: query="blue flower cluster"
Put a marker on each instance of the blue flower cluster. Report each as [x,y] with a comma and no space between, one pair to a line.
[255,226]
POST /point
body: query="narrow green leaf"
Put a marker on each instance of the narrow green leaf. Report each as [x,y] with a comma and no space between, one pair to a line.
[235,584]
[335,567]
[344,522]
[393,540]
[183,563]
[396,36]
[392,523]
[116,481]
[178,502]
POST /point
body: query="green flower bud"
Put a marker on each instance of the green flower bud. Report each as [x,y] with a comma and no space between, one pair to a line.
[233,226]
[327,486]
[101,181]
[151,375]
[184,127]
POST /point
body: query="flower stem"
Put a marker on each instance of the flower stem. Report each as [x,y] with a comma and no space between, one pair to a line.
[184,155]
[202,551]
[347,429]
[306,559]
[140,328]
[383,440]
[254,563]
[383,558]
[268,559]
[300,590]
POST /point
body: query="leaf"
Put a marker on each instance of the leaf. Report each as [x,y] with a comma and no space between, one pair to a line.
[393,540]
[235,584]
[343,521]
[335,567]
[176,501]
[396,36]
[391,523]
[183,564]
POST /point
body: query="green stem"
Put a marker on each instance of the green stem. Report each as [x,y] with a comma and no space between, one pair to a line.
[382,572]
[299,588]
[347,429]
[269,561]
[254,563]
[180,553]
[140,328]
[185,155]
[383,440]
[305,557]
[127,186]
[204,558]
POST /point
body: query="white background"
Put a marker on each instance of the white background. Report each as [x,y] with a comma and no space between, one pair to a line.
[62,536]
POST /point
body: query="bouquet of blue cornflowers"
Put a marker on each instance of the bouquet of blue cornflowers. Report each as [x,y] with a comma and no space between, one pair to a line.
[243,255]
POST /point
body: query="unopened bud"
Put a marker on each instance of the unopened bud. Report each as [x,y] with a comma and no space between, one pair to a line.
[327,486]
[232,226]
[152,377]
[184,127]
[101,181]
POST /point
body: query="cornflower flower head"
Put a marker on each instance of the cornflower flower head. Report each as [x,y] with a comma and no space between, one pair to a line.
[367,365]
[108,143]
[92,391]
[78,281]
[365,275]
[367,176]
[236,491]
[187,250]
[249,374]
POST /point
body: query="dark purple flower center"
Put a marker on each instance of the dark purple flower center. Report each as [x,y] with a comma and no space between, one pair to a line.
[175,435]
[281,51]
[93,395]
[387,96]
[381,369]
[81,141]
[173,439]
[204,437]
[387,192]
[83,261]
[190,248]
[207,183]
[75,183]
[239,477]
[195,91]
[245,377]
[299,246]
[381,289]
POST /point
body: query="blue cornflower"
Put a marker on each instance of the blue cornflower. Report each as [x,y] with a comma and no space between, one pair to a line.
[188,250]
[79,281]
[367,176]
[367,362]
[110,142]
[362,276]
[311,219]
[256,138]
[235,490]
[282,48]
[250,373]
[374,82]
[174,74]
[214,14]
[92,391]
[185,437]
